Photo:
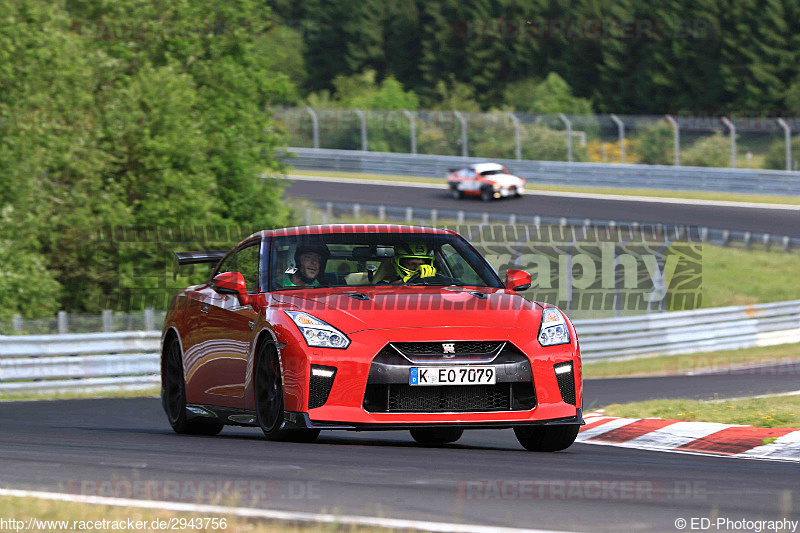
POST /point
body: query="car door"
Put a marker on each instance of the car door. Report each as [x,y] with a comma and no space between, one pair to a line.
[218,365]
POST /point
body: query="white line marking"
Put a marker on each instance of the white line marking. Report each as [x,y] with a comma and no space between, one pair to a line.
[268,514]
[596,196]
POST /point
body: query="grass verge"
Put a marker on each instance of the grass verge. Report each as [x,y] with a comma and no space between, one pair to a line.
[150,392]
[785,355]
[771,412]
[532,186]
[71,515]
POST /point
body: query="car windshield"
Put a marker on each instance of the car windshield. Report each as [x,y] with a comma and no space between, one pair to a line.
[374,259]
[492,172]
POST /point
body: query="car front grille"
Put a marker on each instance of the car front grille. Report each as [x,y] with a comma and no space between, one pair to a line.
[435,348]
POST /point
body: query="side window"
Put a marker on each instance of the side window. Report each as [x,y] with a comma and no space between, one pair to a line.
[247,261]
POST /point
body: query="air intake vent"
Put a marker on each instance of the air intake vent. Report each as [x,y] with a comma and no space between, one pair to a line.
[320,385]
[566,382]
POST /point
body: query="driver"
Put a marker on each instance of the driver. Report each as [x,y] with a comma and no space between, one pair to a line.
[411,259]
[309,260]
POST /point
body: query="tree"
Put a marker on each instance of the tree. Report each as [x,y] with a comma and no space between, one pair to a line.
[550,96]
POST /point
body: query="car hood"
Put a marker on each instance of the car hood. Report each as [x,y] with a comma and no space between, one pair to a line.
[414,307]
[505,180]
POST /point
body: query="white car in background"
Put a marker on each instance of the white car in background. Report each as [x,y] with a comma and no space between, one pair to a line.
[486,181]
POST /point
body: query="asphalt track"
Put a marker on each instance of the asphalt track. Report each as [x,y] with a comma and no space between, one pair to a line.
[116,447]
[756,220]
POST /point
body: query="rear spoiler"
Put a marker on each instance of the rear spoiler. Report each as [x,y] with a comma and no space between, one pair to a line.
[193,258]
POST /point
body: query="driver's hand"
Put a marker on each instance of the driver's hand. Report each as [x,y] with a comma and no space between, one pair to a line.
[424,271]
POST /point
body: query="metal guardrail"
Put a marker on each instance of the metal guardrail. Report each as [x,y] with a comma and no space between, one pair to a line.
[131,359]
[742,181]
[79,361]
[331,212]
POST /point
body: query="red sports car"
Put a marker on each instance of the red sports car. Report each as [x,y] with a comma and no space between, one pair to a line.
[362,327]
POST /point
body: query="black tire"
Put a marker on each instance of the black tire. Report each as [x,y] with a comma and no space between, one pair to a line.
[547,438]
[433,436]
[487,194]
[455,193]
[173,395]
[269,399]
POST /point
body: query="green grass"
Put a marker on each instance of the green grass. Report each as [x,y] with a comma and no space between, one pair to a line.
[533,186]
[785,354]
[24,508]
[771,412]
[150,392]
[735,276]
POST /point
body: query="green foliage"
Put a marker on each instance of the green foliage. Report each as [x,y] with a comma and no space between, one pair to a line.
[538,142]
[550,96]
[711,151]
[776,156]
[655,145]
[119,114]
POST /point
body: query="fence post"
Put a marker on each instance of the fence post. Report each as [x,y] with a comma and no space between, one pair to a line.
[412,124]
[107,324]
[787,133]
[409,214]
[732,129]
[434,217]
[676,138]
[621,130]
[62,322]
[149,319]
[460,117]
[568,124]
[517,140]
[356,211]
[363,119]
[382,213]
[16,322]
[314,126]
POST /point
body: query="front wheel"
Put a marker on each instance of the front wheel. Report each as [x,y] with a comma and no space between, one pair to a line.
[173,395]
[269,399]
[487,195]
[435,436]
[547,438]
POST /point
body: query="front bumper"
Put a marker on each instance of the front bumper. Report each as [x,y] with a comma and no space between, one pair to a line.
[344,406]
[294,420]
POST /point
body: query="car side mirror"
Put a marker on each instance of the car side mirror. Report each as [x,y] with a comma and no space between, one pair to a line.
[518,280]
[230,283]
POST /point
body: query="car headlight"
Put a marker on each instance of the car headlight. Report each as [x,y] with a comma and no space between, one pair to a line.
[318,333]
[497,186]
[554,329]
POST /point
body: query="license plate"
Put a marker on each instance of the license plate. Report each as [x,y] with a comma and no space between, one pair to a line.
[452,375]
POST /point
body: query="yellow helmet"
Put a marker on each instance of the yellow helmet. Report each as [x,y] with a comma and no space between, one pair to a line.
[411,250]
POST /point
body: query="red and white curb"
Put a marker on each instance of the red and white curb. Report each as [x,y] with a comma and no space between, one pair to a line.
[691,437]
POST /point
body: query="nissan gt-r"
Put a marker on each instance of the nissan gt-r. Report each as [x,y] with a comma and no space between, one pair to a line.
[367,327]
